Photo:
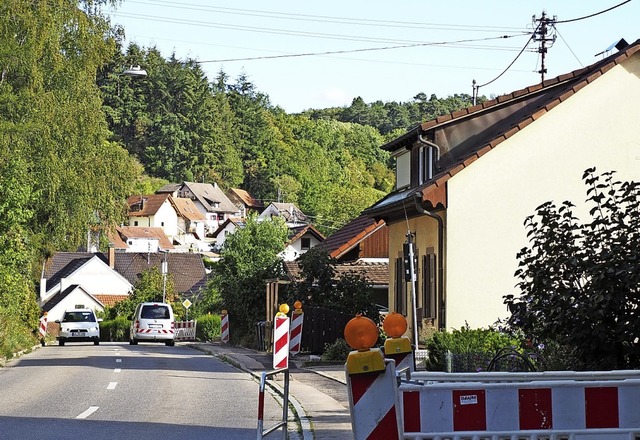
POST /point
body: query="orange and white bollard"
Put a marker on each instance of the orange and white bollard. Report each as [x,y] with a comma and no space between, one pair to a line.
[224,327]
[281,338]
[297,318]
[43,328]
[397,346]
[371,385]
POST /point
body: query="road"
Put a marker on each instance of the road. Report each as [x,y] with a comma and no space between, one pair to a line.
[118,391]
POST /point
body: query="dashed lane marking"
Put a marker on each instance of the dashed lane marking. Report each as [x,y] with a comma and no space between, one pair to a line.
[112,385]
[88,412]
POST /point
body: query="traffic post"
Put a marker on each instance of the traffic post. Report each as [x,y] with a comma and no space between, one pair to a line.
[43,328]
[224,327]
[297,318]
[371,384]
[281,338]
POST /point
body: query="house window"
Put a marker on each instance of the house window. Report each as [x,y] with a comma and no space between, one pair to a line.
[403,170]
[429,286]
[305,243]
[135,223]
[427,160]
[400,288]
[162,224]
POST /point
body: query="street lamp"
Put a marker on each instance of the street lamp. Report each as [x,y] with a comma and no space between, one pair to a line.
[135,71]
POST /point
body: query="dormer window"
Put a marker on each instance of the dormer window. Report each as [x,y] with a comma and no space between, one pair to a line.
[426,164]
[403,169]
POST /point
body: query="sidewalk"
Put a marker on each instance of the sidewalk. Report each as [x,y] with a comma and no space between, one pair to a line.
[321,417]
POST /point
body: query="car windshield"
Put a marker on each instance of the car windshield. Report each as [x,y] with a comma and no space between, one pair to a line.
[155,311]
[79,317]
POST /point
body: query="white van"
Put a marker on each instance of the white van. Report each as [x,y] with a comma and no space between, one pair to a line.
[153,322]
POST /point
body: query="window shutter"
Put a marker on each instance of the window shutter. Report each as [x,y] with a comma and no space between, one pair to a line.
[429,285]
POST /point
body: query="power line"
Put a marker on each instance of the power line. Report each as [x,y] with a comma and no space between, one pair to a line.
[327,19]
[370,49]
[593,15]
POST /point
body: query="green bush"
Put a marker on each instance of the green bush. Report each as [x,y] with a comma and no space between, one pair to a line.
[208,327]
[337,351]
[14,336]
[471,349]
[115,330]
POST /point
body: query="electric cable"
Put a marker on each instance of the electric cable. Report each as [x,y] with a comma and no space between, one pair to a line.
[592,15]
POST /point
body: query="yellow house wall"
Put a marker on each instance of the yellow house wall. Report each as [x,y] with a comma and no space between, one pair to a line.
[489,201]
[426,236]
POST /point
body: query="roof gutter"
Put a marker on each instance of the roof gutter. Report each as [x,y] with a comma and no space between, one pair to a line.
[417,198]
[436,159]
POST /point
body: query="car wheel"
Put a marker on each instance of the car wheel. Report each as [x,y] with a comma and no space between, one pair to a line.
[170,343]
[61,343]
[96,342]
[133,342]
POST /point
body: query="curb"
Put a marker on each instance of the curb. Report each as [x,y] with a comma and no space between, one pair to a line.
[300,414]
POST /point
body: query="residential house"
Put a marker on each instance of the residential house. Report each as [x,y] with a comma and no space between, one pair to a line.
[75,279]
[140,239]
[154,210]
[208,198]
[301,239]
[361,247]
[227,228]
[191,223]
[96,280]
[288,211]
[466,182]
[244,202]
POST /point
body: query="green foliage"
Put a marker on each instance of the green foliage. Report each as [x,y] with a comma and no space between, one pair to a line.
[208,328]
[147,289]
[321,286]
[14,335]
[250,256]
[116,329]
[473,348]
[336,351]
[579,281]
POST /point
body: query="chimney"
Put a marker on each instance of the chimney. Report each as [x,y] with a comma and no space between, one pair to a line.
[112,257]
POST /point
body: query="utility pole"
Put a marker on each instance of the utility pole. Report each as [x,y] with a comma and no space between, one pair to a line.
[543,26]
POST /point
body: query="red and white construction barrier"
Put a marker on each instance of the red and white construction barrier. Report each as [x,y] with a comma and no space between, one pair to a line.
[185,330]
[584,409]
[281,341]
[373,400]
[296,332]
[224,327]
[43,326]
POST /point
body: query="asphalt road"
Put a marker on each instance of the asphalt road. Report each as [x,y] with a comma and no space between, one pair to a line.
[118,391]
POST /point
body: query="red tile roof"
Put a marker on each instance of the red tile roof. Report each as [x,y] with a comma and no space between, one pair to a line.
[145,206]
[350,235]
[518,110]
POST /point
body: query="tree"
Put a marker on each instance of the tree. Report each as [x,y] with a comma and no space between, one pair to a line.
[147,289]
[250,256]
[321,286]
[580,282]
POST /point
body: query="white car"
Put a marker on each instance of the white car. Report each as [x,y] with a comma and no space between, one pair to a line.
[79,325]
[153,322]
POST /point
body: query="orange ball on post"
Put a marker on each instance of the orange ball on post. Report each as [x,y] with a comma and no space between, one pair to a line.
[395,324]
[361,333]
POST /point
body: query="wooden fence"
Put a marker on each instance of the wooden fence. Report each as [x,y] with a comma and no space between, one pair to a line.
[322,326]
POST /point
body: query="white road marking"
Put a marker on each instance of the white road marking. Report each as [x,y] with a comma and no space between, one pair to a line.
[117,370]
[112,385]
[88,412]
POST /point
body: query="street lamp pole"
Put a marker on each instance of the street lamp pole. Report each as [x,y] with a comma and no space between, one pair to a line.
[164,276]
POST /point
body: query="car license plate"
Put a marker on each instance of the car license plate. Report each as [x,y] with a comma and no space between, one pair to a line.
[155,325]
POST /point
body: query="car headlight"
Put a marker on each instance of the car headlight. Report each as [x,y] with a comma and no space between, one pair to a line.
[93,329]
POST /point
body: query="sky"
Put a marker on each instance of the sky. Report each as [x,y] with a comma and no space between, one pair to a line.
[309,54]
